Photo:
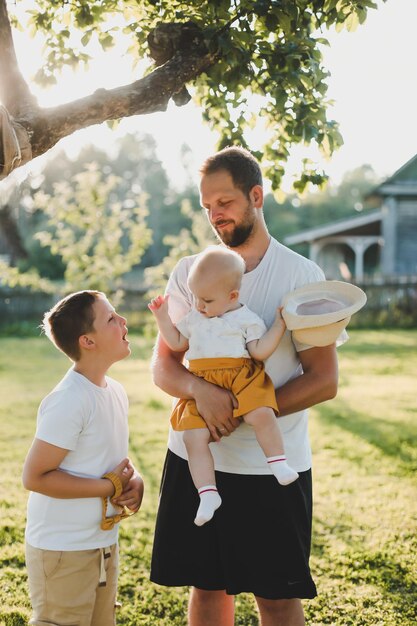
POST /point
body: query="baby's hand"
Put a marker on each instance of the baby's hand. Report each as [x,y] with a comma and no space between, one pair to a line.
[159,303]
[279,320]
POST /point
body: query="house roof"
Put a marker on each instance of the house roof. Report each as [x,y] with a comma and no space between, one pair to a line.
[406,173]
[334,228]
[402,182]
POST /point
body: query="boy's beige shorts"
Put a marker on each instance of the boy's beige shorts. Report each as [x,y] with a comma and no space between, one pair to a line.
[65,587]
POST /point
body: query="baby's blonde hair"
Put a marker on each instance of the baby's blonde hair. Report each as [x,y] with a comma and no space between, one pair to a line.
[220,263]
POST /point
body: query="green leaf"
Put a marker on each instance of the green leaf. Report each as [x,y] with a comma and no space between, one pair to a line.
[86,37]
[352,22]
[265,48]
[271,21]
[106,40]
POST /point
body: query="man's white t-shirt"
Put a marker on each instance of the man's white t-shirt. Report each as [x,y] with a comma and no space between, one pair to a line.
[92,423]
[222,336]
[281,270]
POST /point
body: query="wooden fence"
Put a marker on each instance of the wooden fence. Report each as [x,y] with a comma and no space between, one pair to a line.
[17,305]
[391,303]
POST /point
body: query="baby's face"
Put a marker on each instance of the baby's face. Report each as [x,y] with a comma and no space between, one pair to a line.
[212,299]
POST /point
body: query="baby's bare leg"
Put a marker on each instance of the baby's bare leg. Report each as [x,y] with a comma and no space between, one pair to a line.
[201,464]
[269,437]
[200,460]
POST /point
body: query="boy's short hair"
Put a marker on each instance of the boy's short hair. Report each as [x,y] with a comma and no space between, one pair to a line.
[239,163]
[70,318]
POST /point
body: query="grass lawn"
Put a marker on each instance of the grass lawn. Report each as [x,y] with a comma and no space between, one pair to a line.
[364,556]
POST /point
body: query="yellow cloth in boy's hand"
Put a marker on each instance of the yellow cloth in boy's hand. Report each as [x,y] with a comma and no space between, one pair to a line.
[107,523]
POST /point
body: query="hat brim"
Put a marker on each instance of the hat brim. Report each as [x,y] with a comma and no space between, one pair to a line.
[320,336]
[348,299]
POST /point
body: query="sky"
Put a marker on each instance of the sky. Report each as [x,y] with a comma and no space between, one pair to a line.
[373,84]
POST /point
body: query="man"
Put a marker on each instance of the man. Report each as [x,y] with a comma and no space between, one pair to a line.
[259,540]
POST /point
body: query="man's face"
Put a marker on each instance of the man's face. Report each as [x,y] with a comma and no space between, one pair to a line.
[231,214]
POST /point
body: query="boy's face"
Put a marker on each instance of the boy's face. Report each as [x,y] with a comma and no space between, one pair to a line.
[211,299]
[109,332]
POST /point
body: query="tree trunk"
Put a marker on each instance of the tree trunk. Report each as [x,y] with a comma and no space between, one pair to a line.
[10,233]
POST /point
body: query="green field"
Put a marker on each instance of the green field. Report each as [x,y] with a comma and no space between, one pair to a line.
[364,556]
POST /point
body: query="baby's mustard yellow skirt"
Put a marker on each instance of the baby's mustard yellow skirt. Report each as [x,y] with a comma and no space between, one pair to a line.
[245,378]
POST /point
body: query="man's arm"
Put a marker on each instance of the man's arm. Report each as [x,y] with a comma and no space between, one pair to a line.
[41,473]
[214,404]
[318,382]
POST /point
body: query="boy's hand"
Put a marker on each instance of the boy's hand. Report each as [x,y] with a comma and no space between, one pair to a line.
[159,305]
[124,471]
[132,494]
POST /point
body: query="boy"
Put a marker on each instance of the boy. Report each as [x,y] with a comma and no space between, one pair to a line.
[226,343]
[77,461]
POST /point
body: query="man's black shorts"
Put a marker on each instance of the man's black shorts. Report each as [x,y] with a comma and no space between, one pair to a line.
[258,540]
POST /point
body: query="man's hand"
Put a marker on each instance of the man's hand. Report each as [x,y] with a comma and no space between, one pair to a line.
[215,405]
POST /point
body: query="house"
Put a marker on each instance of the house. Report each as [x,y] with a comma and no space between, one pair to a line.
[376,246]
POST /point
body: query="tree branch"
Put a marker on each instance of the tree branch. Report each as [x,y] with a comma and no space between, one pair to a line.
[147,95]
[14,91]
[181,49]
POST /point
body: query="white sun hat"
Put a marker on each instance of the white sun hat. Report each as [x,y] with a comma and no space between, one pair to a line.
[317,313]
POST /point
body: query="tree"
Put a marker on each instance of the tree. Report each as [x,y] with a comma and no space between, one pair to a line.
[188,241]
[98,237]
[224,51]
[337,202]
[10,233]
[54,226]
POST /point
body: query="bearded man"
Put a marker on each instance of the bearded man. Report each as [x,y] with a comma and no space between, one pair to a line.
[262,547]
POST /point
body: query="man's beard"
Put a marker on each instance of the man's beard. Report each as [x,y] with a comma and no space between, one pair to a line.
[241,233]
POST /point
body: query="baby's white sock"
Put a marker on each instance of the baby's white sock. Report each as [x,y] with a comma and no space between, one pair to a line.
[281,470]
[209,502]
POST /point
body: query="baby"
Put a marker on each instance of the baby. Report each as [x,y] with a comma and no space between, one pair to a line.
[226,344]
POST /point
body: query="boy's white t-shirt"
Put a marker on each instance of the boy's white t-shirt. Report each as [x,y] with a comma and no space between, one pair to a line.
[92,423]
[222,336]
[281,270]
